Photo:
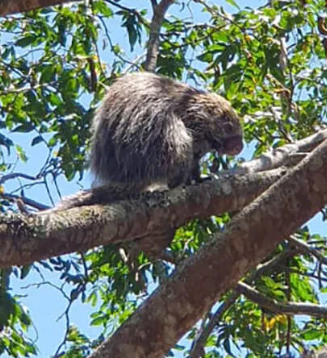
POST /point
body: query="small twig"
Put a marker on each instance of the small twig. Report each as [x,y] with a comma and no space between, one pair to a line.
[25,89]
[159,12]
[34,204]
[307,249]
[66,314]
[48,191]
[277,157]
[26,186]
[10,176]
[289,298]
[279,307]
[269,265]
[54,177]
[46,283]
[298,272]
[134,63]
[317,242]
[197,349]
[111,43]
[21,206]
[133,11]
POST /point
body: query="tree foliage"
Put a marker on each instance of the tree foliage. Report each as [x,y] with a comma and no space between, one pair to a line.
[55,65]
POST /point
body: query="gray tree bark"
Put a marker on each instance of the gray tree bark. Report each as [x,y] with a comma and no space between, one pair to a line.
[27,238]
[201,280]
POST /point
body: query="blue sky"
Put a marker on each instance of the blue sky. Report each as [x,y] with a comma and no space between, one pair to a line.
[46,303]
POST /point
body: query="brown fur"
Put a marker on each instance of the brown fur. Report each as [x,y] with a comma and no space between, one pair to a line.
[154,130]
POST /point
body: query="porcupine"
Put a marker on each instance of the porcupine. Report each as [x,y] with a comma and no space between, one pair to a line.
[152,130]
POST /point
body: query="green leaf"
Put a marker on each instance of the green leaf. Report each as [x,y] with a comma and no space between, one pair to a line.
[25,270]
[47,73]
[25,127]
[99,321]
[132,35]
[102,8]
[54,99]
[233,3]
[313,334]
[21,153]
[5,141]
[37,140]
[26,41]
[206,57]
[71,86]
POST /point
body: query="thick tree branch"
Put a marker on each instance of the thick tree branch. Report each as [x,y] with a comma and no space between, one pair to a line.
[154,3]
[159,12]
[51,235]
[197,349]
[24,239]
[279,307]
[280,156]
[252,234]
[8,7]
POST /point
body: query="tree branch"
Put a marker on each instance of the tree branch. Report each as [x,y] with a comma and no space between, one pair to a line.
[30,202]
[199,342]
[8,7]
[279,307]
[280,156]
[24,239]
[252,234]
[197,349]
[154,3]
[11,176]
[50,234]
[159,12]
[307,249]
[133,11]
